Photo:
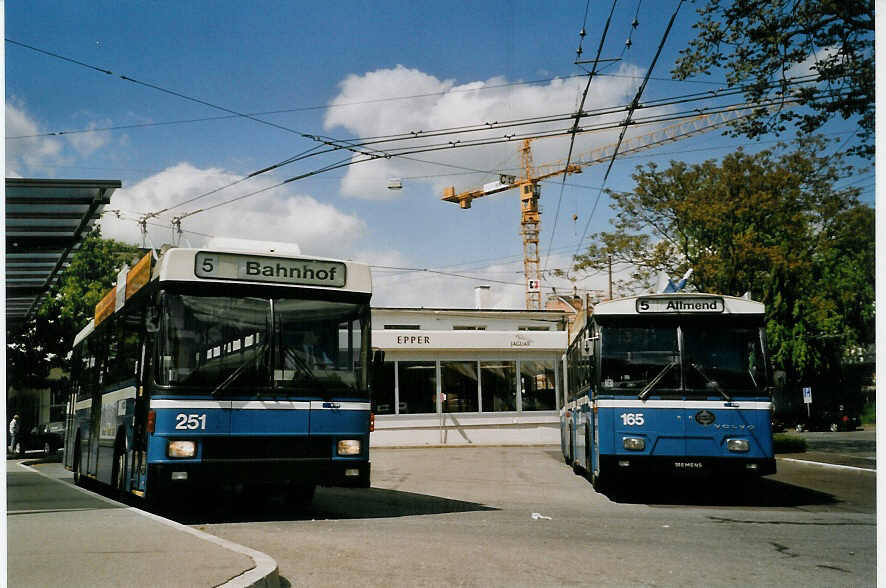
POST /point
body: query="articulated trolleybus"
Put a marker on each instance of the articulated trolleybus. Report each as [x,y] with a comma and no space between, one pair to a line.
[209,368]
[669,384]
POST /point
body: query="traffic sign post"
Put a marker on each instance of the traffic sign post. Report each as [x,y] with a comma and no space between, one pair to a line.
[807,400]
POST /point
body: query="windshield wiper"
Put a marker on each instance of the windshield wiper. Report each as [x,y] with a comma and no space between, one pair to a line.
[647,389]
[305,370]
[236,373]
[713,383]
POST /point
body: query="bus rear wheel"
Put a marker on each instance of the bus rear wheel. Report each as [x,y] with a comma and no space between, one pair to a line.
[78,475]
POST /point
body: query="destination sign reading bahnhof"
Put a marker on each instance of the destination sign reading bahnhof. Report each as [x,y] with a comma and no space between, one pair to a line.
[681,305]
[277,270]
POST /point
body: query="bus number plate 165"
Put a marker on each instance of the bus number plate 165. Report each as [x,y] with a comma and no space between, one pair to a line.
[632,418]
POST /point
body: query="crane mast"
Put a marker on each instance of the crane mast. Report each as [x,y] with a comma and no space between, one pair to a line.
[530,189]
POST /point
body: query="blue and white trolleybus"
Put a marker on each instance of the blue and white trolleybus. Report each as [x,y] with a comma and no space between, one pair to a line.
[668,384]
[205,368]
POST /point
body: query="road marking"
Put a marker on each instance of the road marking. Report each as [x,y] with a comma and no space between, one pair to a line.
[826,465]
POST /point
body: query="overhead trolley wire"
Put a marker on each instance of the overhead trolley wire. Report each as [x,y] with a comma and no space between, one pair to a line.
[634,104]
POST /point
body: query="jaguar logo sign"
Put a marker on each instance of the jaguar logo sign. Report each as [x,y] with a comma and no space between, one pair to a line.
[705,417]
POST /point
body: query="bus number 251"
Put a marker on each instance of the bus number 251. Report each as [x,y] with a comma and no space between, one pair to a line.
[632,418]
[190,421]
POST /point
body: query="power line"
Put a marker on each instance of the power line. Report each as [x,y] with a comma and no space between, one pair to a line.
[635,102]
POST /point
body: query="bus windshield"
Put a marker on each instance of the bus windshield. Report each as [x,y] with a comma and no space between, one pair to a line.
[262,346]
[692,360]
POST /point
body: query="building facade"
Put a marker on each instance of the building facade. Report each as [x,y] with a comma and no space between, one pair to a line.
[461,377]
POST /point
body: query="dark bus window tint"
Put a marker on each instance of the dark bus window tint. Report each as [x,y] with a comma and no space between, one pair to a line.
[727,359]
[632,357]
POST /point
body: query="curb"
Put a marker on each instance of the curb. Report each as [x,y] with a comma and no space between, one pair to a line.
[264,575]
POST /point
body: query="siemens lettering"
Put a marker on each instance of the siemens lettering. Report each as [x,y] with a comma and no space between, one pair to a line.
[281,270]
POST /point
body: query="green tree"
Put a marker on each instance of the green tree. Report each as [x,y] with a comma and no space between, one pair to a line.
[771,223]
[45,340]
[759,44]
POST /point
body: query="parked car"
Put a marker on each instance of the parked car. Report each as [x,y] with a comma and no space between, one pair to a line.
[829,420]
[48,437]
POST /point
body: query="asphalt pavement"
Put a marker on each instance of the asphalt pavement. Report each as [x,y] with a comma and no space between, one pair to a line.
[61,535]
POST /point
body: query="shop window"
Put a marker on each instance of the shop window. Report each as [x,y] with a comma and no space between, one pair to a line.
[459,386]
[498,385]
[534,328]
[538,385]
[469,328]
[383,391]
[403,327]
[417,382]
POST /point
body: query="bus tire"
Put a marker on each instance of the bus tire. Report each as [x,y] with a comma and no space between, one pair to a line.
[78,475]
[118,477]
[567,457]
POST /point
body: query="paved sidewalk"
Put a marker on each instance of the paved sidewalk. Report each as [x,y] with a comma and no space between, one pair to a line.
[62,535]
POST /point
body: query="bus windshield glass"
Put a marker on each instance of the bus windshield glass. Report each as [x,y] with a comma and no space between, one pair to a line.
[723,360]
[635,356]
[262,346]
[692,360]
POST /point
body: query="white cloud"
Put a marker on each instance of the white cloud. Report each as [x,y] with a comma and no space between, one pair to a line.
[86,143]
[37,156]
[363,107]
[276,215]
[28,155]
[454,287]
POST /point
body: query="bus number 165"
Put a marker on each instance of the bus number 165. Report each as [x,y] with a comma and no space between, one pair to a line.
[632,418]
[190,421]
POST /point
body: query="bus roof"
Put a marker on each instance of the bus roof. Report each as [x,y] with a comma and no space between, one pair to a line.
[689,303]
[262,268]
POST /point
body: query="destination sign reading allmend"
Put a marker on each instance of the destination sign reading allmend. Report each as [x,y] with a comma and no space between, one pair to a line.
[681,305]
[279,270]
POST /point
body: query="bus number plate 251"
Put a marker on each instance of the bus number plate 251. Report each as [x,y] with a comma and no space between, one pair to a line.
[190,422]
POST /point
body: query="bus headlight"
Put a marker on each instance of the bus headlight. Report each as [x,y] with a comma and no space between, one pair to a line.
[738,445]
[634,443]
[181,449]
[349,447]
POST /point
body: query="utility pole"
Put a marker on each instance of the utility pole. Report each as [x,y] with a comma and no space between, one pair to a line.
[609,259]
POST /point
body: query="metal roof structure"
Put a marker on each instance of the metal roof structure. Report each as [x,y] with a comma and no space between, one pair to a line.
[45,221]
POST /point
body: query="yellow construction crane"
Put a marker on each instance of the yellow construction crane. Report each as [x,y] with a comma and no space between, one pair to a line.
[530,191]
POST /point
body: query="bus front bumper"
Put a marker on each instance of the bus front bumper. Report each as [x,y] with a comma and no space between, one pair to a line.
[688,465]
[214,473]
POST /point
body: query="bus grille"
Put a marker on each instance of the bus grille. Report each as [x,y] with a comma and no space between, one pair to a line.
[265,448]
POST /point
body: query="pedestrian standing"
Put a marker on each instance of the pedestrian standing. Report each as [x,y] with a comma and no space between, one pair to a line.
[15,426]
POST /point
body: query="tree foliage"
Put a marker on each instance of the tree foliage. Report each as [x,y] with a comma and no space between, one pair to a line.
[771,223]
[46,338]
[761,44]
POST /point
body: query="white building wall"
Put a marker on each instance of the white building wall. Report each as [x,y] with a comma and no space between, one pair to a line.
[505,338]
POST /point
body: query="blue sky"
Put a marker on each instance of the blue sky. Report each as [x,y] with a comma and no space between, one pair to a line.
[342,70]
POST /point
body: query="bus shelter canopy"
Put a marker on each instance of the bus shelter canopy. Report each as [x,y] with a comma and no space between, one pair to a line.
[45,222]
